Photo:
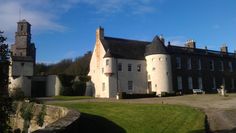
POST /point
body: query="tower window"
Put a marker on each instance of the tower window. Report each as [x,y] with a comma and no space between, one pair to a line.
[107,62]
[139,68]
[21,28]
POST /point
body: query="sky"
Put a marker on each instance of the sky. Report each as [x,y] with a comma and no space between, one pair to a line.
[66,28]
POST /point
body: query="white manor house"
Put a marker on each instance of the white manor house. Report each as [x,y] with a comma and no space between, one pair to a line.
[139,67]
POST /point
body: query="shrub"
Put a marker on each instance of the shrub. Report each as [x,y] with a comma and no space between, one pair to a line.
[79,88]
[124,95]
[17,94]
[40,117]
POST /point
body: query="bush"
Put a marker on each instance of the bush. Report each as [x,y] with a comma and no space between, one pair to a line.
[79,88]
[17,94]
[124,95]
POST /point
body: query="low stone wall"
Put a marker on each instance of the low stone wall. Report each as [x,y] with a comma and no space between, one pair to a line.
[56,119]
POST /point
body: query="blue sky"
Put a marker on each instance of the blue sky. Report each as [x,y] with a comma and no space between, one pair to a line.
[66,28]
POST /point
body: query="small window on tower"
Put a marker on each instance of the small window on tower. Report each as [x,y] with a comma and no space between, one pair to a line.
[21,28]
[22,64]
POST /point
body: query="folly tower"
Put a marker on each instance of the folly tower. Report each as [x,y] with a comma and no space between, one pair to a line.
[22,60]
[23,51]
[158,67]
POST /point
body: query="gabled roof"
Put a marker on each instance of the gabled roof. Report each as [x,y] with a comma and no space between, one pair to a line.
[124,48]
[156,47]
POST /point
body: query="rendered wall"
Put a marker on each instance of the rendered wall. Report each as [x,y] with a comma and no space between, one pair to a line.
[53,85]
[22,68]
[139,79]
[159,73]
[23,83]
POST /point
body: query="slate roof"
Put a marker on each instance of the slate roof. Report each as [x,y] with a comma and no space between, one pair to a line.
[133,49]
[124,48]
[156,47]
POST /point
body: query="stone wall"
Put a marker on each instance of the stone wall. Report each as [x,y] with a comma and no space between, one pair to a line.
[56,118]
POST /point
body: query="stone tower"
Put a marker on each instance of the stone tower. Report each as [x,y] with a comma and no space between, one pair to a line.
[22,60]
[158,67]
[23,51]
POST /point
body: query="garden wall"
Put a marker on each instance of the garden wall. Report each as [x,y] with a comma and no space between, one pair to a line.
[55,119]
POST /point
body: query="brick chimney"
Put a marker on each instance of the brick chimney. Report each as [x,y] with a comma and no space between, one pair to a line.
[190,44]
[224,49]
[100,33]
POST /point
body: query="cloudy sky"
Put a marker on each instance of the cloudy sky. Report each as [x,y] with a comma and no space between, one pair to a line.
[66,28]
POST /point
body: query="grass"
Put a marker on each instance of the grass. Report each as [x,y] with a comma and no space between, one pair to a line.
[69,98]
[137,118]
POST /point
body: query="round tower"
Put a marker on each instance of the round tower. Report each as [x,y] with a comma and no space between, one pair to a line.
[108,63]
[159,72]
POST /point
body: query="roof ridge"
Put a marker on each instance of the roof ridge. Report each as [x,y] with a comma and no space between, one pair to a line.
[124,39]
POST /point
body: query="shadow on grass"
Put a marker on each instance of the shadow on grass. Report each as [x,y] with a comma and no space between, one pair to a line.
[96,124]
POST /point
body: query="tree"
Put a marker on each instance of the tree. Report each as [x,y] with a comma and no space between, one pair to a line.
[5,100]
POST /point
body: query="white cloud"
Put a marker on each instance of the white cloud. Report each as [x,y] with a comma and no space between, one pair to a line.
[45,14]
[39,13]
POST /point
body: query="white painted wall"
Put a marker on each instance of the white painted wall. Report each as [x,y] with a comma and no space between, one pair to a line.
[159,69]
[22,68]
[97,69]
[139,78]
[53,85]
[23,83]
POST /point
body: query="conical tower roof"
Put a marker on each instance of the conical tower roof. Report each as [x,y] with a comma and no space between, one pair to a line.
[157,46]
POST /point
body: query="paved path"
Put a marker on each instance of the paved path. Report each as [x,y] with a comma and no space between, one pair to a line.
[221,111]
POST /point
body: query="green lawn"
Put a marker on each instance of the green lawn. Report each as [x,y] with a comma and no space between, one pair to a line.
[137,118]
[69,98]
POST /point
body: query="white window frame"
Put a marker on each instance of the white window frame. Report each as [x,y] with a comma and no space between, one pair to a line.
[130,85]
[190,83]
[221,66]
[120,67]
[178,63]
[199,64]
[103,86]
[107,62]
[189,63]
[212,65]
[214,83]
[139,67]
[179,83]
[200,85]
[230,66]
[130,67]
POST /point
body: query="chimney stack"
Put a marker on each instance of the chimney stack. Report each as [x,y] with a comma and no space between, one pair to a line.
[162,39]
[224,49]
[190,44]
[100,33]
